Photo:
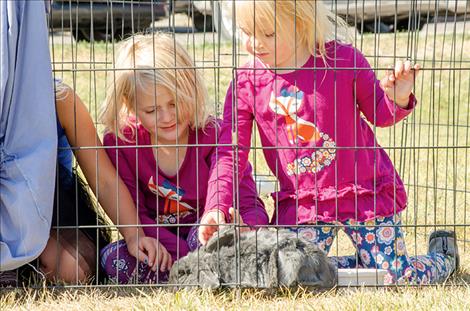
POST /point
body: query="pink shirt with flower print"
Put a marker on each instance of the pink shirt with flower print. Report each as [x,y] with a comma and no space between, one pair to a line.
[315,138]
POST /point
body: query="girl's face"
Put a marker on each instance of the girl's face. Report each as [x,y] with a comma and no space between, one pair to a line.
[275,47]
[158,115]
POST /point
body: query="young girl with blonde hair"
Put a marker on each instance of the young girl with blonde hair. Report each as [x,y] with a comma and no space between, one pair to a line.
[308,93]
[162,141]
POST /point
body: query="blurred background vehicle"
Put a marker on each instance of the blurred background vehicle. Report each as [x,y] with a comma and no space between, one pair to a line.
[118,18]
[366,15]
[392,15]
[207,15]
[105,19]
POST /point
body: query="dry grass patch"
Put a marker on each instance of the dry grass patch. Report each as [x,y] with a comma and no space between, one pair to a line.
[437,298]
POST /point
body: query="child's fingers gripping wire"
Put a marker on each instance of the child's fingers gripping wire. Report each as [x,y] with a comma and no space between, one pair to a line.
[411,70]
[388,80]
[404,69]
[401,70]
[399,81]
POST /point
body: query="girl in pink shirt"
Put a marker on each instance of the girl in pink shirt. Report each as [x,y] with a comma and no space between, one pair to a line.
[313,99]
[162,143]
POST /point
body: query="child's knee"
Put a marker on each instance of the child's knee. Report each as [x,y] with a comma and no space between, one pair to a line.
[117,262]
[48,260]
[192,239]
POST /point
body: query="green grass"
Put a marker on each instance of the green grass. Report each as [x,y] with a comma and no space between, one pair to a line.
[430,165]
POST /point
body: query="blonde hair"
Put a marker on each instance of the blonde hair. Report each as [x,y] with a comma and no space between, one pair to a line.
[315,24]
[145,61]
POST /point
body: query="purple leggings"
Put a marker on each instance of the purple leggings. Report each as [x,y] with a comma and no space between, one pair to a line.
[122,268]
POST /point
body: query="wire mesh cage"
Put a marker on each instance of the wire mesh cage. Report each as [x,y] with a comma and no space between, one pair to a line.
[316,148]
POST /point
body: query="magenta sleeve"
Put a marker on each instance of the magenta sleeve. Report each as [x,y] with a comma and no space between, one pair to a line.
[252,209]
[227,165]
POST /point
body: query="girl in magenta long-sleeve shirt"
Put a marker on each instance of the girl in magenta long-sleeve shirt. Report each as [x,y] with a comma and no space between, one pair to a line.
[312,98]
[163,107]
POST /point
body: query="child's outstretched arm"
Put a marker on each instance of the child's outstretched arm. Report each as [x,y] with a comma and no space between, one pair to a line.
[385,102]
[101,175]
[236,129]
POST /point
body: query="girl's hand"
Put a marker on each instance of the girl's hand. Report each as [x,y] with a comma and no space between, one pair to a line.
[213,218]
[243,226]
[398,82]
[216,217]
[150,251]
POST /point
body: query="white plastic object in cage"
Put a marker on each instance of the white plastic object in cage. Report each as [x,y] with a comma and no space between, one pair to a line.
[265,184]
[361,277]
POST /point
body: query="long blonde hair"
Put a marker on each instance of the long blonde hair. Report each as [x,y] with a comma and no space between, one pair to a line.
[315,24]
[147,61]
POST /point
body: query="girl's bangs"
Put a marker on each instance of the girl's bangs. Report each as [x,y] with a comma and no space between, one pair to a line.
[256,14]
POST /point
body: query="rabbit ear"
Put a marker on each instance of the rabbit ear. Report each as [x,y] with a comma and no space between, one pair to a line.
[195,269]
[224,237]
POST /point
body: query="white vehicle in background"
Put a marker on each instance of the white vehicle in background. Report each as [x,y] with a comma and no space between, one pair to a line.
[401,15]
[366,15]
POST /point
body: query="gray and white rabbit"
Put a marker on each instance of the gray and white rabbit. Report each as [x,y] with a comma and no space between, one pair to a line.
[265,258]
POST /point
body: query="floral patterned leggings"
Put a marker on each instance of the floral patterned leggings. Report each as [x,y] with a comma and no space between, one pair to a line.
[380,244]
[123,268]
